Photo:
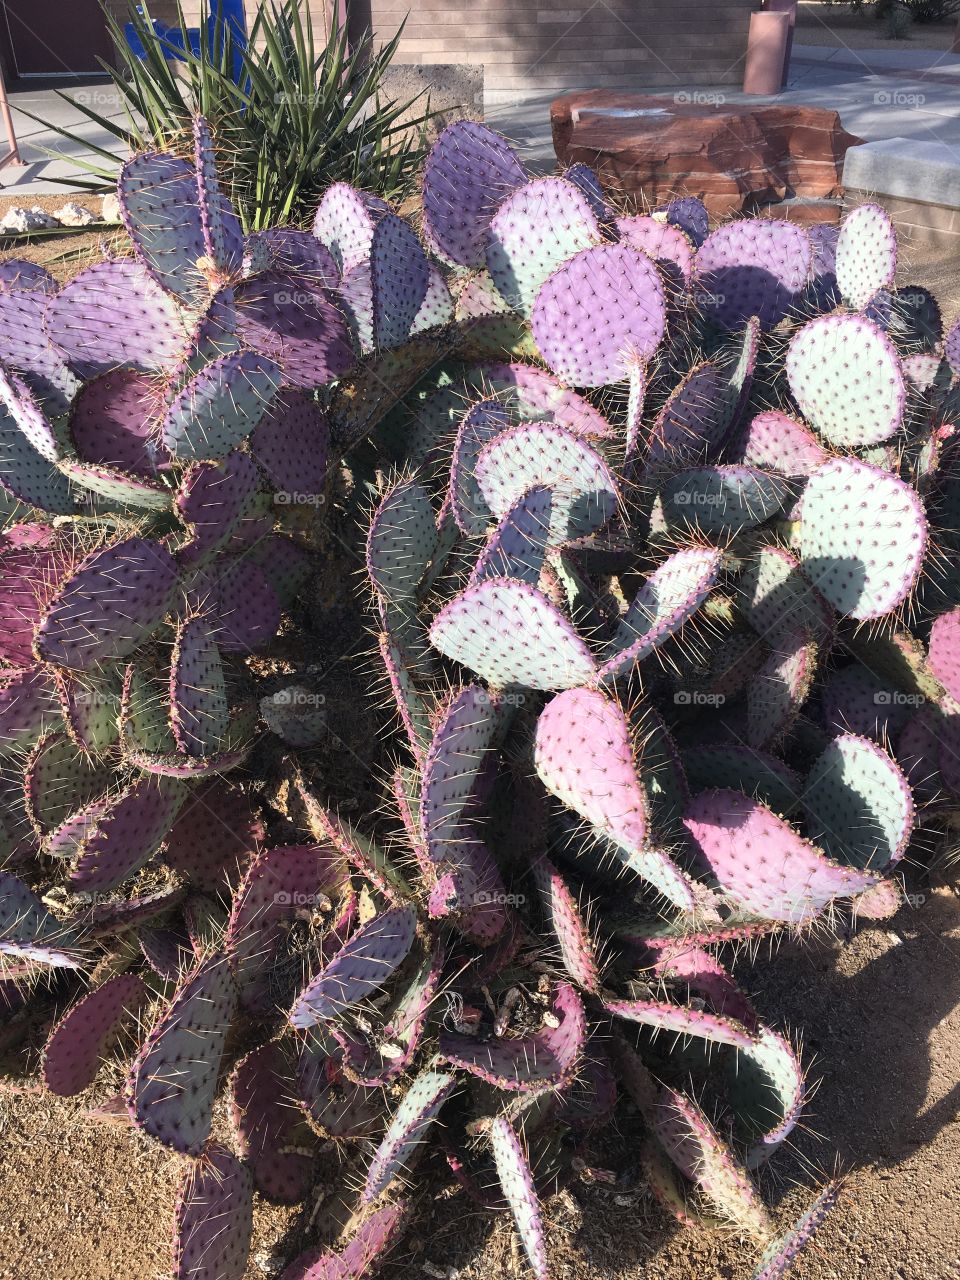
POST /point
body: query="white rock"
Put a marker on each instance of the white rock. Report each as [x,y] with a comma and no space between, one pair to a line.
[110,208]
[19,220]
[75,215]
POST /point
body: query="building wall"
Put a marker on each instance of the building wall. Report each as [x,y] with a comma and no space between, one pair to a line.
[532,46]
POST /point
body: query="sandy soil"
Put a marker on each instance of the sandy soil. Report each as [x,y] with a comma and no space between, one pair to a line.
[84,1199]
[87,1199]
[840,24]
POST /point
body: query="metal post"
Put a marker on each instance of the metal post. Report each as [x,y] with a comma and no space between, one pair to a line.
[13,155]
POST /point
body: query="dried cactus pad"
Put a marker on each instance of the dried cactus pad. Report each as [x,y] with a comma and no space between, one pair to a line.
[508,632]
[858,804]
[469,172]
[866,254]
[537,228]
[76,1045]
[214,1218]
[846,377]
[111,604]
[585,493]
[600,312]
[516,1179]
[548,1056]
[752,267]
[670,596]
[360,967]
[863,536]
[173,1082]
[762,863]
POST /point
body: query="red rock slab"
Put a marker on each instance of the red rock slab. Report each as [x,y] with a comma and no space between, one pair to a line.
[649,148]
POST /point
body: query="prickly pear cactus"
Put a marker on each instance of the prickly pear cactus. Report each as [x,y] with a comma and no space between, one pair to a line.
[661,544]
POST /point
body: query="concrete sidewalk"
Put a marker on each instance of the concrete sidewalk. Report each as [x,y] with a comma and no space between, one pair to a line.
[39,174]
[909,93]
[880,94]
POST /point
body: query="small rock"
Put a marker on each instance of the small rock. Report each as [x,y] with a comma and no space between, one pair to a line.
[110,208]
[20,220]
[75,215]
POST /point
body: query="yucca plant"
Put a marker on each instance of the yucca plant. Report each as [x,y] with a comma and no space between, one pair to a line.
[289,115]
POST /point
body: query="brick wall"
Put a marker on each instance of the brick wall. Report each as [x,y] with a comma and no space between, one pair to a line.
[531,46]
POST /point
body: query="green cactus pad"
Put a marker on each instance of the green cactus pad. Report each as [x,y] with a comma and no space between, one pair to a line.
[172,1086]
[407,1129]
[481,424]
[780,688]
[508,632]
[757,774]
[723,501]
[866,256]
[538,227]
[401,542]
[697,1150]
[778,599]
[59,779]
[517,547]
[220,406]
[600,311]
[766,1088]
[863,536]
[585,493]
[516,1179]
[671,595]
[846,377]
[780,1256]
[858,804]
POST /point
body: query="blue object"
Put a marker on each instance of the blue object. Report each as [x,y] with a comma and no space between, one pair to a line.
[225,13]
